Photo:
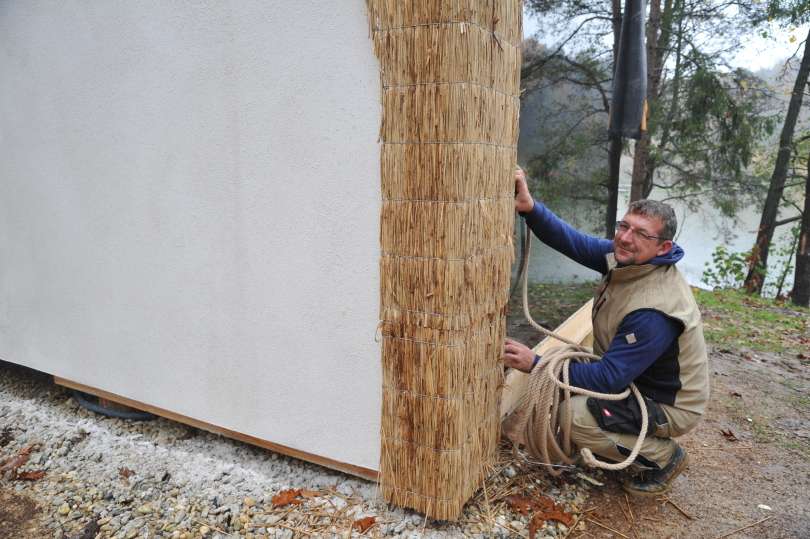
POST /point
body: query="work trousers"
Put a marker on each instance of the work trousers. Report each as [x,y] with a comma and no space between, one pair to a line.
[658,446]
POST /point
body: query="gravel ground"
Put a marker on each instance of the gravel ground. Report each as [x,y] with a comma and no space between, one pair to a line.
[113,478]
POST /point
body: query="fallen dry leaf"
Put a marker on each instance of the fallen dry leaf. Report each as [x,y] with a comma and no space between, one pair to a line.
[728,435]
[363,524]
[126,473]
[287,497]
[560,516]
[520,504]
[35,475]
[541,516]
[544,509]
[11,464]
[534,523]
[305,493]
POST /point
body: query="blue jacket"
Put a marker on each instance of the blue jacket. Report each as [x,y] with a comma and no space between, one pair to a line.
[656,333]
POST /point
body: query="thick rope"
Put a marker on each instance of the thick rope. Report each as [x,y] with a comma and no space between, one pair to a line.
[536,415]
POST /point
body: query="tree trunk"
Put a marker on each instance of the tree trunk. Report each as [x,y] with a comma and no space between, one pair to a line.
[615,149]
[614,161]
[641,154]
[642,149]
[758,263]
[659,32]
[801,282]
[616,11]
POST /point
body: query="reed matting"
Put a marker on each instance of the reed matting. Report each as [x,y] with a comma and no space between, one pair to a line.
[450,74]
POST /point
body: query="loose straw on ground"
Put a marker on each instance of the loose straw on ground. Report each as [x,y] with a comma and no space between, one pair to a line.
[732,532]
[668,500]
[601,525]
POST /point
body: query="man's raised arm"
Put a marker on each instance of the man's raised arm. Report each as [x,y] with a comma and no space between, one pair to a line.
[556,233]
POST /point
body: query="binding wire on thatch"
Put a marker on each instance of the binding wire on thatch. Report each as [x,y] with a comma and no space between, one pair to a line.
[450,84]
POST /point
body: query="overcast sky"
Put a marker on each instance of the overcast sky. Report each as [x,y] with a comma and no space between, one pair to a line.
[758,53]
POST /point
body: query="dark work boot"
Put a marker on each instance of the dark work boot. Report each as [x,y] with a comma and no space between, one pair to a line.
[657,482]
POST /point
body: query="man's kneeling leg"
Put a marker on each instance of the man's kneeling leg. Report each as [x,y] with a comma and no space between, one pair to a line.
[660,458]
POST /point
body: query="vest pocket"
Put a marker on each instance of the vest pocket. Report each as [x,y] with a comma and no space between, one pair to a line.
[624,416]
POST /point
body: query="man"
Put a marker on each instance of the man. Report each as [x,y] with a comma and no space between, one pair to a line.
[646,327]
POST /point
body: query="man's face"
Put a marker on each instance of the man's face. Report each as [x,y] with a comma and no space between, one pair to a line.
[630,245]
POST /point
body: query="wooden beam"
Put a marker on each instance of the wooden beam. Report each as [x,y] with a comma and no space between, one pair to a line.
[576,328]
[350,469]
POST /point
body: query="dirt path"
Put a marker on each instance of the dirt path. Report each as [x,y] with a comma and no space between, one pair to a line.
[18,516]
[761,399]
[764,400]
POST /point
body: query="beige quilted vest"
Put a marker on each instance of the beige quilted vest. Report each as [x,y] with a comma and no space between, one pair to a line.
[681,379]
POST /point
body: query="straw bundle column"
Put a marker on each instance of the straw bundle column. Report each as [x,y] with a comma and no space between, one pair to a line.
[450,79]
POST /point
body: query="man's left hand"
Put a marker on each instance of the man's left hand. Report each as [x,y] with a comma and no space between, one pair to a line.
[518,356]
[523,198]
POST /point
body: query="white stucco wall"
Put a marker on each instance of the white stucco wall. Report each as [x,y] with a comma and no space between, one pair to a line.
[189,210]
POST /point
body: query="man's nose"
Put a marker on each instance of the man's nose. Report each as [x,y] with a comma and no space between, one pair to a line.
[626,235]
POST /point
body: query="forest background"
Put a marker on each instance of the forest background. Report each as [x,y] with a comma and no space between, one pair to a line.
[727,145]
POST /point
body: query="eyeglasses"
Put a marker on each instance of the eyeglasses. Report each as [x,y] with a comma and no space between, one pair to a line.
[623,226]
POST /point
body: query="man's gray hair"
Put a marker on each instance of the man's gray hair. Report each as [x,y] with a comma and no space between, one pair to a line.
[660,210]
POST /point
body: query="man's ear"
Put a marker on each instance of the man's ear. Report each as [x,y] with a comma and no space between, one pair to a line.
[664,248]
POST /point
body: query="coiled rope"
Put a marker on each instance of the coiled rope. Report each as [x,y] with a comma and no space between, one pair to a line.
[537,414]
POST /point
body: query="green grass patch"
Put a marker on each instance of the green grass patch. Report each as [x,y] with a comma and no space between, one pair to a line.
[553,302]
[731,318]
[737,320]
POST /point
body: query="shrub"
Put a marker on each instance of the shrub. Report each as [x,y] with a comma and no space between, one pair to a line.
[727,269]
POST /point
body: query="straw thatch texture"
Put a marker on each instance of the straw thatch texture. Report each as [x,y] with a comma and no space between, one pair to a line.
[450,79]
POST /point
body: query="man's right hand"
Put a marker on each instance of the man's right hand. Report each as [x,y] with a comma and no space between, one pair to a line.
[518,356]
[523,198]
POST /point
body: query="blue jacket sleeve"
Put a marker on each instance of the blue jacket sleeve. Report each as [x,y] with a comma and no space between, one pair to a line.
[560,236]
[624,361]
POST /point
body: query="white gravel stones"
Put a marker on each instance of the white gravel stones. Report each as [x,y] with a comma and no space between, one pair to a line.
[163,479]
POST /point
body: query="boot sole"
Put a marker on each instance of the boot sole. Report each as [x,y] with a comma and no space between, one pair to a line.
[666,487]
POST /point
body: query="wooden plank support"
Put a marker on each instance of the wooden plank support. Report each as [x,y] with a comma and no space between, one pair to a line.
[350,469]
[576,327]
